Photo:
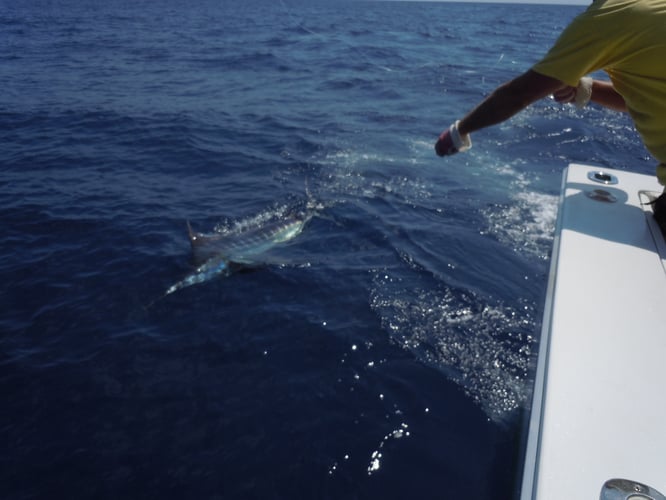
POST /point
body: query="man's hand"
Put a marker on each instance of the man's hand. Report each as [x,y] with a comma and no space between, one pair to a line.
[565,95]
[451,142]
[579,95]
[444,145]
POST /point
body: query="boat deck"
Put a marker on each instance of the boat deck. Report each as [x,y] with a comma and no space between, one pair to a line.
[599,410]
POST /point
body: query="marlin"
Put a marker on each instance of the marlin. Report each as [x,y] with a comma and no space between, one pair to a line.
[224,252]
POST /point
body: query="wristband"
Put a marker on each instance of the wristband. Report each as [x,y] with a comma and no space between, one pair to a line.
[460,142]
[583,92]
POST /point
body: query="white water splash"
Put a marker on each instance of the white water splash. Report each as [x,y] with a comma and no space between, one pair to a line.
[527,223]
[252,221]
[485,348]
[363,175]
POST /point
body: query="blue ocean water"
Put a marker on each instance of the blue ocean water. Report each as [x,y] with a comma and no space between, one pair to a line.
[387,353]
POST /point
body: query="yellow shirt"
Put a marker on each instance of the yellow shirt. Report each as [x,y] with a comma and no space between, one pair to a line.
[627,39]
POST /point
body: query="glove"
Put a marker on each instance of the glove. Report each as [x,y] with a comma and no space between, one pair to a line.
[583,92]
[451,142]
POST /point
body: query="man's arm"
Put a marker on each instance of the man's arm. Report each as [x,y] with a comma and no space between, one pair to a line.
[509,99]
[605,94]
[502,104]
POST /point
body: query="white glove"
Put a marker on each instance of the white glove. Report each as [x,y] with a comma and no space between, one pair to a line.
[583,92]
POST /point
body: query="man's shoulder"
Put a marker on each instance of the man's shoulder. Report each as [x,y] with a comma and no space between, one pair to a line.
[619,6]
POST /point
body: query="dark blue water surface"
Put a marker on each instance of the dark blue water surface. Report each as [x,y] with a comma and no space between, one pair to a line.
[387,353]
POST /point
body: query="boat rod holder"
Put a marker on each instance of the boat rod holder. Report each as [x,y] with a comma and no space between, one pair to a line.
[625,489]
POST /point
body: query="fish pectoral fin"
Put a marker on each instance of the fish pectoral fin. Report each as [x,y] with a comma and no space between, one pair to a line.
[240,260]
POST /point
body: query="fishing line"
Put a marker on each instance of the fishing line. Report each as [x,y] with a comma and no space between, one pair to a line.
[484,84]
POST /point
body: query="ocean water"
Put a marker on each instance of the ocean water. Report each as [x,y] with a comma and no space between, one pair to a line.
[385,352]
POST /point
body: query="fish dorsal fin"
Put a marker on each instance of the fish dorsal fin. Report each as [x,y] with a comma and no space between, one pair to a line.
[194,237]
[199,239]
